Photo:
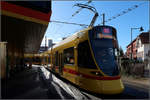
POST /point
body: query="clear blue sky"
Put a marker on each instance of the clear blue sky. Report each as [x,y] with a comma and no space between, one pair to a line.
[63,10]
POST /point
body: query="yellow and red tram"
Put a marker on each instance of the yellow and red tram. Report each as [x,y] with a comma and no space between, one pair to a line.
[33,59]
[87,59]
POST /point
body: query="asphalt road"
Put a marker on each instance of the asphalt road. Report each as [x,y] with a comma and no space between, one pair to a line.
[135,92]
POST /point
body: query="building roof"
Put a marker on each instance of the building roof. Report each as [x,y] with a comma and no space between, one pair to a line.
[131,43]
[144,36]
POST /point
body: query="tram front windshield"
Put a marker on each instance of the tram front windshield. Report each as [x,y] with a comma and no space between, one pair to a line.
[104,53]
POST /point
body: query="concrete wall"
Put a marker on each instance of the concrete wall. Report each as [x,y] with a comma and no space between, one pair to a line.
[2,60]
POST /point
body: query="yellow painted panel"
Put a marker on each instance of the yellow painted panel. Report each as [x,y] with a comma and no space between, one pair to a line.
[112,86]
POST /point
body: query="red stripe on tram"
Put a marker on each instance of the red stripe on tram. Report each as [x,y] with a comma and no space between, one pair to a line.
[89,76]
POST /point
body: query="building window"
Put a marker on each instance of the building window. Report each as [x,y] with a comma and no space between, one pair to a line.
[69,56]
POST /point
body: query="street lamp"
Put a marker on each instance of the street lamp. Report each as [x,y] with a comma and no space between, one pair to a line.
[140,29]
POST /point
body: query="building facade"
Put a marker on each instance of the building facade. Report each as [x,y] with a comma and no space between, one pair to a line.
[143,46]
[139,47]
[132,50]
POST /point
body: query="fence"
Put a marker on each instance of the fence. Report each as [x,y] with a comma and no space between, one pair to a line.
[135,68]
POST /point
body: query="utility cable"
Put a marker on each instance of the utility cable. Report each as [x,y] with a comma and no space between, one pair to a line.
[123,12]
[68,23]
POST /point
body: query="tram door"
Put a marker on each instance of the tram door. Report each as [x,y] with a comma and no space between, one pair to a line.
[61,64]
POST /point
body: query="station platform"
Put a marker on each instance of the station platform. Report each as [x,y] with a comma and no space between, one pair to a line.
[25,84]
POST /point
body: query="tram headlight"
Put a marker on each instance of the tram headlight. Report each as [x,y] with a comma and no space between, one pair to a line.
[96,73]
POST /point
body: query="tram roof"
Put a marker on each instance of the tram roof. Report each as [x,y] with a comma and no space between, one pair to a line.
[72,37]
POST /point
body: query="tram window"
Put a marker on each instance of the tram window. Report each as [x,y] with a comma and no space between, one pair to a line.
[56,58]
[69,56]
[85,59]
[49,59]
[27,60]
[33,59]
[53,59]
[45,59]
[37,59]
